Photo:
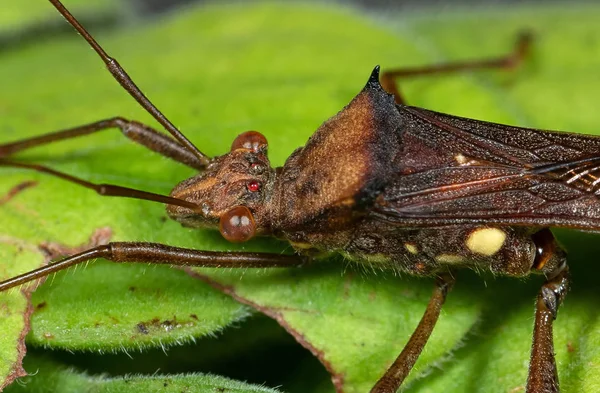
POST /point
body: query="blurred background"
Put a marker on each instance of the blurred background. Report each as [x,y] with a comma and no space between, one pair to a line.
[36,22]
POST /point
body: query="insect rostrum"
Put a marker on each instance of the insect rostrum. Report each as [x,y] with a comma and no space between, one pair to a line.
[411,190]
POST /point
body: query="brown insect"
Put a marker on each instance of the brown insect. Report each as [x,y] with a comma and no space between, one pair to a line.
[411,190]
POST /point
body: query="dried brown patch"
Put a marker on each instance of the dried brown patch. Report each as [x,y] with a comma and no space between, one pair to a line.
[50,251]
[54,250]
[336,377]
[17,190]
[142,328]
[157,325]
[17,370]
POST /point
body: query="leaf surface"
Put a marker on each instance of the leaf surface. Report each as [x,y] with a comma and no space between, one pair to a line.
[56,378]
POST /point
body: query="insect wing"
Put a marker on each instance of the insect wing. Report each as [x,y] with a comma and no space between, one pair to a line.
[455,170]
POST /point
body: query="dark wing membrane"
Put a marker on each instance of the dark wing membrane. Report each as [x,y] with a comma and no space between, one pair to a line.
[456,170]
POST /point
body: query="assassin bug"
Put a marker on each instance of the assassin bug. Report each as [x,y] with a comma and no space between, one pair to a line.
[393,199]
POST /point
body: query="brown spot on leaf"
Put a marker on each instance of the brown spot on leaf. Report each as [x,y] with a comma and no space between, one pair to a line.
[156,325]
[54,250]
[41,306]
[141,327]
[17,190]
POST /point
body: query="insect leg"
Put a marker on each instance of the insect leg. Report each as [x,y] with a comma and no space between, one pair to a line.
[395,375]
[156,253]
[104,189]
[137,132]
[543,376]
[510,61]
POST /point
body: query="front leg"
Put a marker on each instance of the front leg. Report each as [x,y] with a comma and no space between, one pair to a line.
[160,254]
[135,131]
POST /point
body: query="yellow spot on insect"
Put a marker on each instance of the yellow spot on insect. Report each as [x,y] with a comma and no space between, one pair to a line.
[449,258]
[376,258]
[301,246]
[411,247]
[486,241]
[370,258]
[347,202]
[461,159]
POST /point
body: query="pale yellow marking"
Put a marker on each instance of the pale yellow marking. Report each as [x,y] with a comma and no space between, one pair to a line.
[461,159]
[372,258]
[377,258]
[411,247]
[449,258]
[301,246]
[486,241]
[347,202]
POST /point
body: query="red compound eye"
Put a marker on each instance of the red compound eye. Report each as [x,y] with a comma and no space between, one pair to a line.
[237,225]
[253,186]
[250,140]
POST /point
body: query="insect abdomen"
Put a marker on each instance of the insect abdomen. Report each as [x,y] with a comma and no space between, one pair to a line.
[501,250]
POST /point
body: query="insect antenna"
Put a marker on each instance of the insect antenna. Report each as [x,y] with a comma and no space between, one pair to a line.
[127,83]
[105,189]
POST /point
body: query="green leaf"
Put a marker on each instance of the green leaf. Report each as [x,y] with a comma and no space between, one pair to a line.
[14,311]
[283,69]
[354,324]
[56,378]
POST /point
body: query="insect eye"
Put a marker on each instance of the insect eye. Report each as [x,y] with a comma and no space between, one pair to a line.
[253,186]
[237,225]
[250,140]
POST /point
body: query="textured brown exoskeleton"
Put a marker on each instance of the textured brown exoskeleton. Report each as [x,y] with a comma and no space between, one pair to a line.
[399,187]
